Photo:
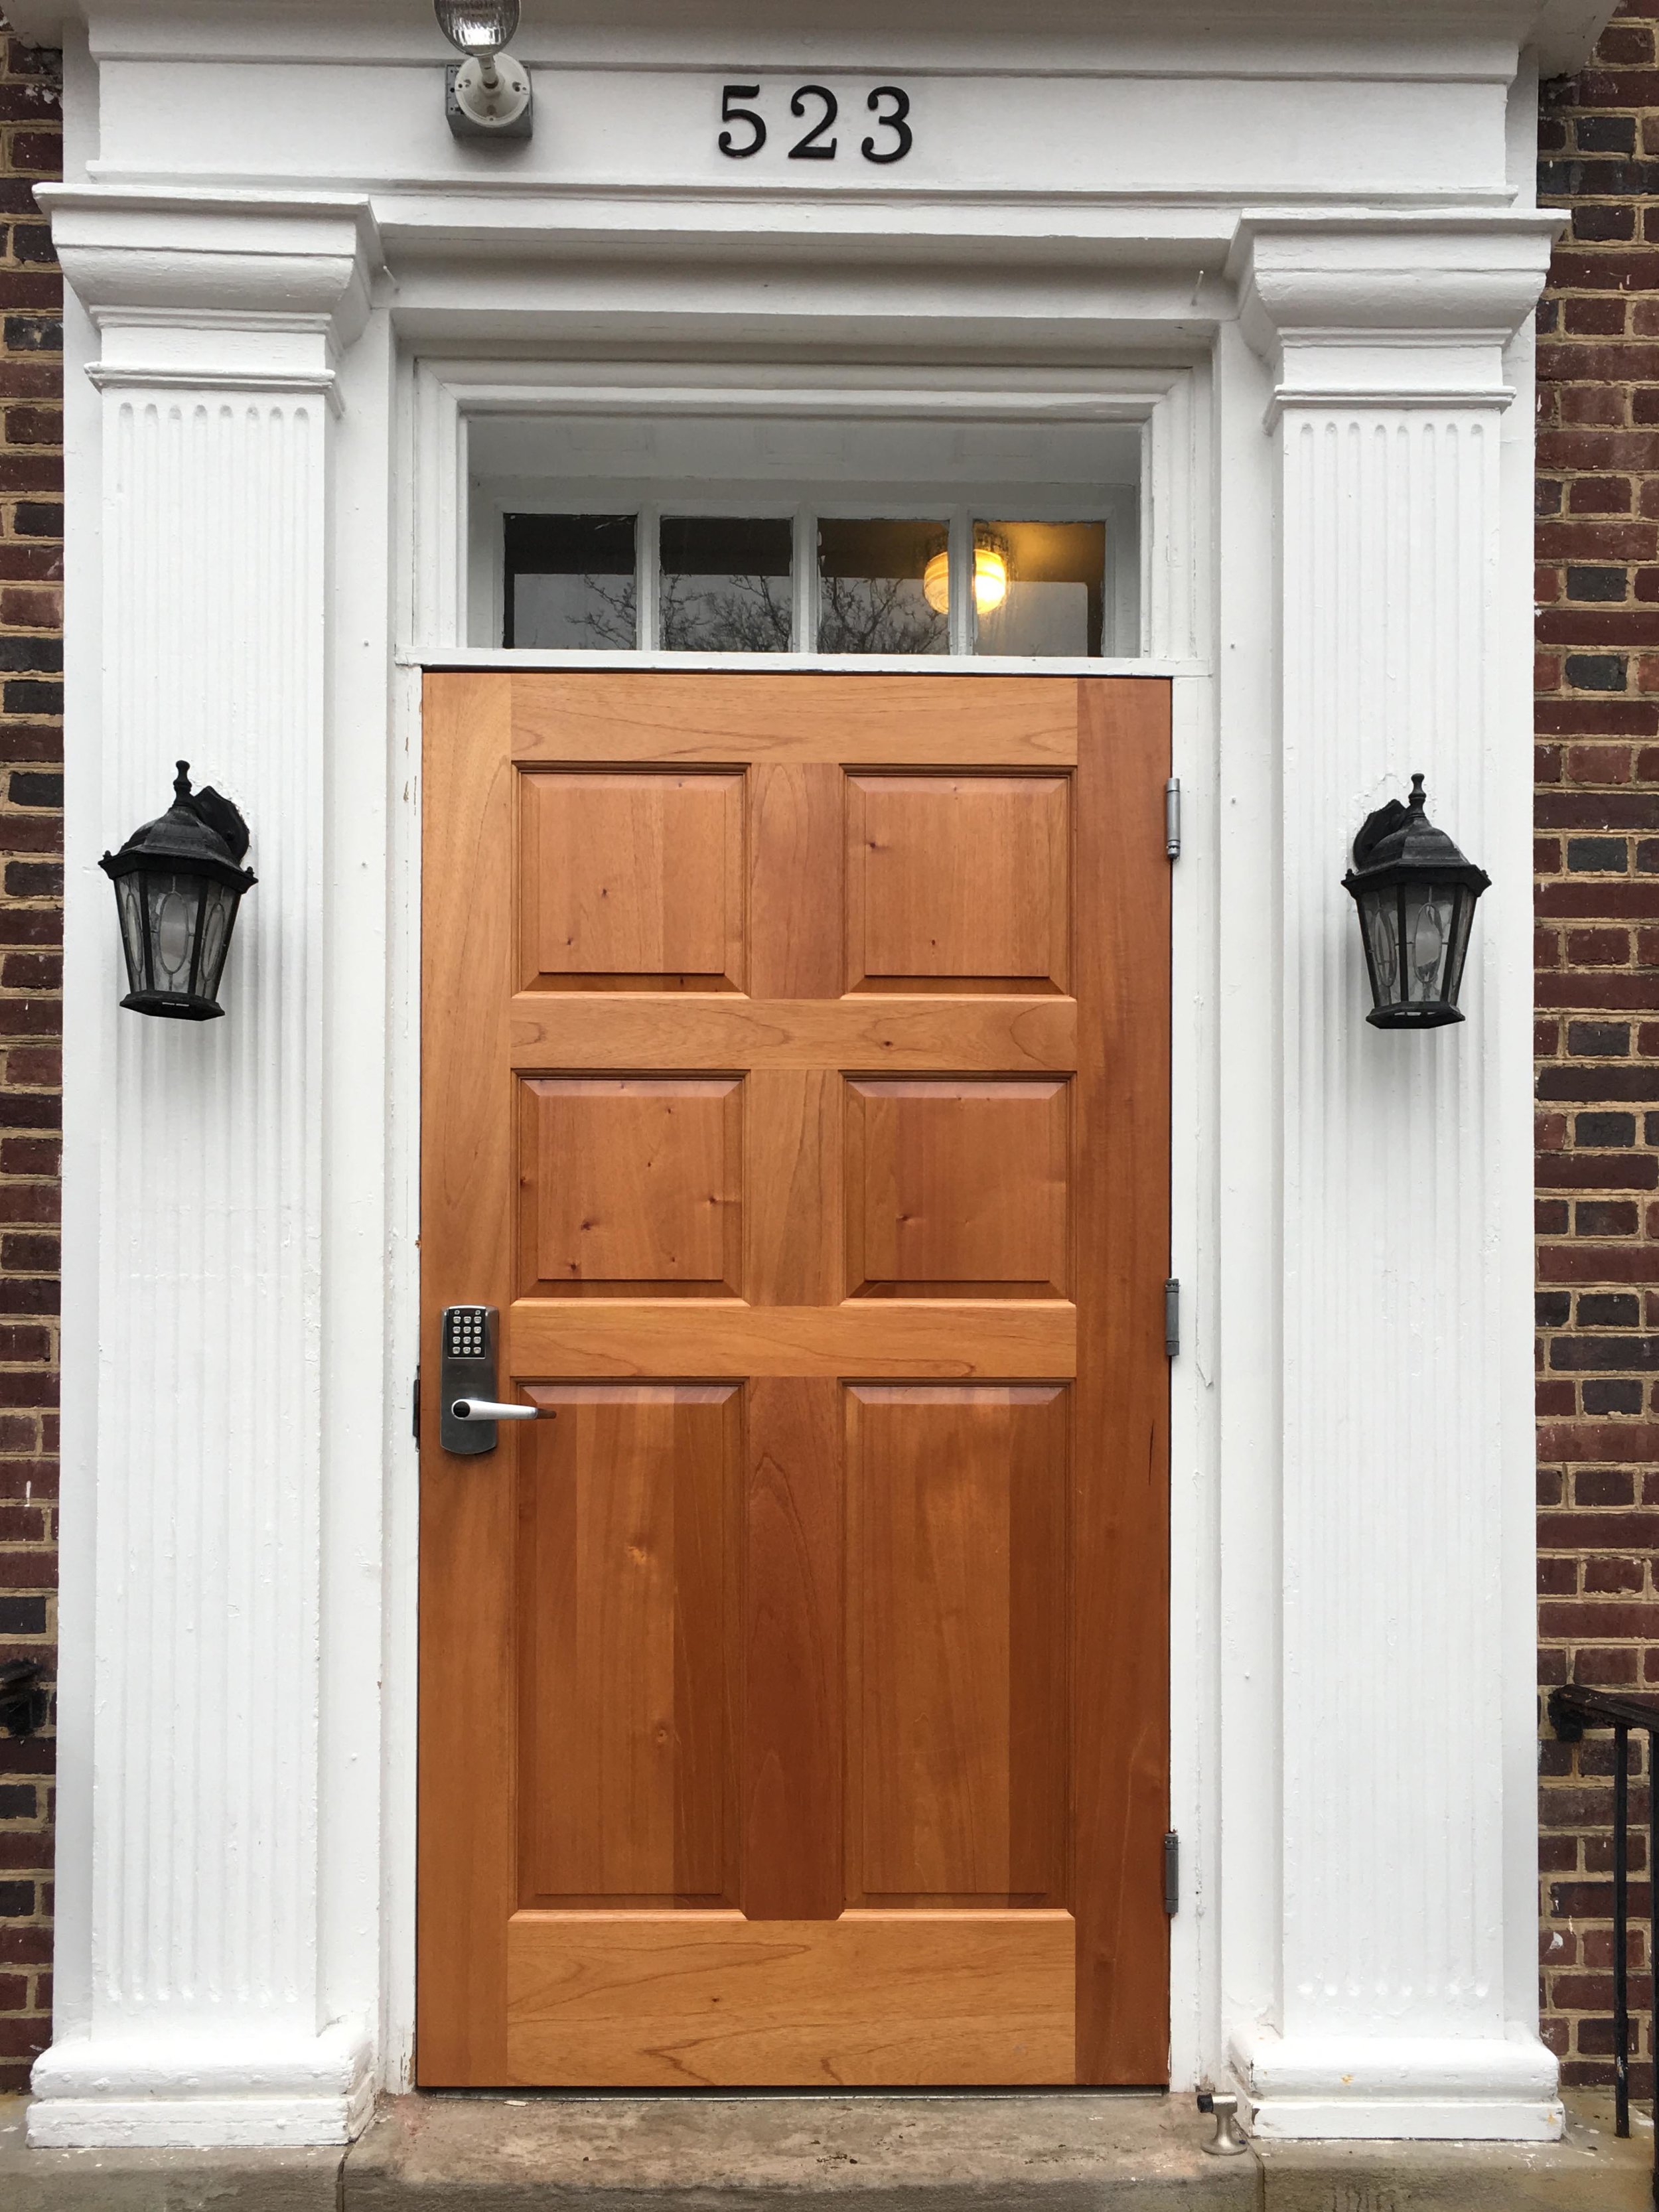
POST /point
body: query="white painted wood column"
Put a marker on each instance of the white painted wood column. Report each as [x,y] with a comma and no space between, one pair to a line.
[203,2016]
[1408,1995]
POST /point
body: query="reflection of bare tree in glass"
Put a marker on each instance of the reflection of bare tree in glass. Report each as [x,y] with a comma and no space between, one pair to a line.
[612,616]
[877,614]
[751,615]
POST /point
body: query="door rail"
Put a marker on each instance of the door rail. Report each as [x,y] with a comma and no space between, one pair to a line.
[1572,1708]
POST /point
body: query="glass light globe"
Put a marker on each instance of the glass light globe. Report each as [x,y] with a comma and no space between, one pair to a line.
[990,578]
[479,27]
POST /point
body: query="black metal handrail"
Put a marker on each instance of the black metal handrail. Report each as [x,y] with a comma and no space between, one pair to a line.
[1572,1708]
[22,1701]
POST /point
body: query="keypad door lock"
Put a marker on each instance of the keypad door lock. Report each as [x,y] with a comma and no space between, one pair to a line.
[468,1408]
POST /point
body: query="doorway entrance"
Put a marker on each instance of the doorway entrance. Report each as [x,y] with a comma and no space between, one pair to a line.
[795,1088]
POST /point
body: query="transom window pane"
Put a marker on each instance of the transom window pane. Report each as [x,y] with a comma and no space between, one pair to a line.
[570,582]
[883,586]
[726,585]
[803,583]
[1039,587]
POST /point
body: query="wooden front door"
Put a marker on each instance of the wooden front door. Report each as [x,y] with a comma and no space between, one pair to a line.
[793,1704]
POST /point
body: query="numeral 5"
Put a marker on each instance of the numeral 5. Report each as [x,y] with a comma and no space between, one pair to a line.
[730,112]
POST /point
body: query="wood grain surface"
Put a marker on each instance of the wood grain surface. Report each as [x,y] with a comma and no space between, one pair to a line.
[685,2000]
[872,1036]
[795,1080]
[865,1337]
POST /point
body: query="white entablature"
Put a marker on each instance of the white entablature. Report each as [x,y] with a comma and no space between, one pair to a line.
[1299,247]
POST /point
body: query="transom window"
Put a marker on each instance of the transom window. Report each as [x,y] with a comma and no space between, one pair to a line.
[906,540]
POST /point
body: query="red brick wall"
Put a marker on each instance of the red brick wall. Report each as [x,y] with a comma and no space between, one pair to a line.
[31,894]
[1597,863]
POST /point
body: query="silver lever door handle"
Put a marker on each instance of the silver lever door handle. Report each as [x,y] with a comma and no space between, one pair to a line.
[486,1409]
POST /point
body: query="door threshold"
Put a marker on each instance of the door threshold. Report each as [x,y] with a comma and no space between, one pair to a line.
[951,2150]
[932,2093]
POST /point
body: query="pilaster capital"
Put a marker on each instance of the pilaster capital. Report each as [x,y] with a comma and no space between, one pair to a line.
[227,288]
[1397,309]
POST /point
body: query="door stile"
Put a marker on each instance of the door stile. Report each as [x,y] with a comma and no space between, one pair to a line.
[1120,1685]
[467,1886]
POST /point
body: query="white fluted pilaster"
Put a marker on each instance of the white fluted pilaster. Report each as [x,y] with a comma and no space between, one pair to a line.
[209,2019]
[1406,1414]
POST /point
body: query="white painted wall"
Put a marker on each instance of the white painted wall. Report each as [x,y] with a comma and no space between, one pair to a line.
[1296,258]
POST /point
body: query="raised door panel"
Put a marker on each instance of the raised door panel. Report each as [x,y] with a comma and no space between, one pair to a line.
[957,1706]
[685,2000]
[630,880]
[630,1184]
[958,882]
[630,1513]
[957,1188]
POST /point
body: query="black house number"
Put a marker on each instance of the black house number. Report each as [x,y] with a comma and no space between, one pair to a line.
[816,107]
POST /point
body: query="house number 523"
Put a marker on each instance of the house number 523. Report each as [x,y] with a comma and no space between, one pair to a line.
[816,106]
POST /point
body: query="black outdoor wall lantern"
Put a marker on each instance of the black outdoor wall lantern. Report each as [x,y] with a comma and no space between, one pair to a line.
[178,883]
[1416,896]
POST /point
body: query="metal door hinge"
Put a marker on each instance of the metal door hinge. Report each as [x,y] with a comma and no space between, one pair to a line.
[1171,1318]
[1172,1874]
[1172,818]
[417,1405]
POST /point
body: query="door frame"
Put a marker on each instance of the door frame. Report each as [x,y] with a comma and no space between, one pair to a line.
[1177,408]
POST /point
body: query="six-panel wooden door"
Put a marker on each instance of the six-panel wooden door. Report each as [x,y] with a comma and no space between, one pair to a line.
[793,1704]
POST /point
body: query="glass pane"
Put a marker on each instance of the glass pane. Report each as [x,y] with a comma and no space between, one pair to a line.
[218,913]
[175,906]
[1460,928]
[1040,588]
[1429,910]
[1381,909]
[570,582]
[130,899]
[883,587]
[726,584]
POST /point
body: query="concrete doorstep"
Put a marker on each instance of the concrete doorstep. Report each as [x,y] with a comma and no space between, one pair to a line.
[1067,2151]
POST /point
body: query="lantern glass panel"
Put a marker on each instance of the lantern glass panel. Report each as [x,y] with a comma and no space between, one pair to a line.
[1379,911]
[1462,926]
[218,913]
[174,906]
[1429,912]
[130,905]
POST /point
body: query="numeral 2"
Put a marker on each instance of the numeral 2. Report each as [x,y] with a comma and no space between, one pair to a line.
[808,148]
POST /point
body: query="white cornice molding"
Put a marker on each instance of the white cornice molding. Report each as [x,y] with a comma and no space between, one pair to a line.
[1565,36]
[1562,33]
[217,272]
